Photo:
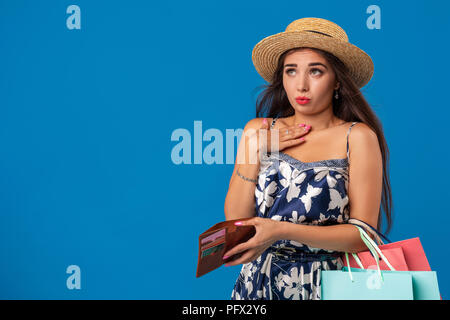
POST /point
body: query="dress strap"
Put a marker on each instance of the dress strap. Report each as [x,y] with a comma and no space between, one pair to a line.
[348,132]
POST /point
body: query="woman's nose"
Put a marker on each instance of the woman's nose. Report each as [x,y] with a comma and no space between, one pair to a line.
[302,84]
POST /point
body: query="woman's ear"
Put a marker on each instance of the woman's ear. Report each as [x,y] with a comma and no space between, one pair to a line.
[338,85]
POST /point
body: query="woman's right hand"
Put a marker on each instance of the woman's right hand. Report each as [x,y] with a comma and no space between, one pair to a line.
[287,136]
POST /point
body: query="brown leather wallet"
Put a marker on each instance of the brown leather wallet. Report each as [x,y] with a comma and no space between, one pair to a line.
[217,240]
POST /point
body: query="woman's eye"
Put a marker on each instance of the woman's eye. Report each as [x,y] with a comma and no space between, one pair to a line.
[289,70]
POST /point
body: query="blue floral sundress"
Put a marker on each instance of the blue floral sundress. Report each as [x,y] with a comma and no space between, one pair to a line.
[312,193]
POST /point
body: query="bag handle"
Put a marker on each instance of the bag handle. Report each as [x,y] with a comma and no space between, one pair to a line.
[369,239]
[377,234]
[374,250]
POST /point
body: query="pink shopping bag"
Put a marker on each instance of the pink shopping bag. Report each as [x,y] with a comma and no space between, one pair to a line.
[413,252]
[394,255]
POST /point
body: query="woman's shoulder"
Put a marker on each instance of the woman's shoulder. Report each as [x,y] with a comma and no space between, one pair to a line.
[362,135]
[257,123]
[362,130]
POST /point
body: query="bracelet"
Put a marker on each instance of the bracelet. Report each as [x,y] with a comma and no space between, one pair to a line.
[245,178]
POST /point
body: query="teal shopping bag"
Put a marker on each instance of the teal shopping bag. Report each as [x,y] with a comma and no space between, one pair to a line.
[425,284]
[366,285]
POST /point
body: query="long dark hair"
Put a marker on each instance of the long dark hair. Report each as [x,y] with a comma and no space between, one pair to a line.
[350,106]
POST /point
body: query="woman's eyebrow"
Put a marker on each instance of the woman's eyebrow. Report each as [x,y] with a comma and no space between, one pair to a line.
[310,65]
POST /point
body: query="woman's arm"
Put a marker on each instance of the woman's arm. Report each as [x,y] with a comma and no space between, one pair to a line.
[239,201]
[364,192]
[341,237]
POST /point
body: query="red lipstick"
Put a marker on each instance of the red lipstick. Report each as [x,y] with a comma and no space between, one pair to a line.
[302,100]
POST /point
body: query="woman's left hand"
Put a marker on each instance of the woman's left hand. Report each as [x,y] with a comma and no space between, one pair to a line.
[266,234]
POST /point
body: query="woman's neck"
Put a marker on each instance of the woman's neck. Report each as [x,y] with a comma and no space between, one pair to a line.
[316,122]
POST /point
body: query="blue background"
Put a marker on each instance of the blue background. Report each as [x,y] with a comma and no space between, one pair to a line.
[86,118]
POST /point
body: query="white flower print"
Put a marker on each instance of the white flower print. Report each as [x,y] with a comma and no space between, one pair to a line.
[266,266]
[294,185]
[292,181]
[258,260]
[337,201]
[295,284]
[296,218]
[248,271]
[263,177]
[295,243]
[315,287]
[264,292]
[236,295]
[277,217]
[264,198]
[320,173]
[286,172]
[279,282]
[259,294]
[323,219]
[310,193]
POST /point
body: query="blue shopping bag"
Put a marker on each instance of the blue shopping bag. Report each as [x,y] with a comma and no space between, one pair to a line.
[366,284]
[425,284]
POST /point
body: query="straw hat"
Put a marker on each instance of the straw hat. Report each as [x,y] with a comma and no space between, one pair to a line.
[315,33]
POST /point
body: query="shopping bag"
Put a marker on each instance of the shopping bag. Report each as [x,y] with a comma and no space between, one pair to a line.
[411,257]
[366,284]
[424,283]
[394,255]
[413,252]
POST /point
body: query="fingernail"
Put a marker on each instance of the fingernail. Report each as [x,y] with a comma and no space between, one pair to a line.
[301,125]
[238,223]
[308,127]
[265,121]
[225,257]
[302,139]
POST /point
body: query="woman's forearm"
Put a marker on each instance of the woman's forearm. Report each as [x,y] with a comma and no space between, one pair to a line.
[340,237]
[240,199]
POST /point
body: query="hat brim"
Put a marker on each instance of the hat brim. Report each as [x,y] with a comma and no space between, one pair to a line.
[266,53]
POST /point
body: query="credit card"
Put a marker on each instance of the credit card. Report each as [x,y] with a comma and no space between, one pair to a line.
[213,250]
[214,243]
[213,237]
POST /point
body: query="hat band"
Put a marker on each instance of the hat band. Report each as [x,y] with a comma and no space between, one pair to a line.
[319,33]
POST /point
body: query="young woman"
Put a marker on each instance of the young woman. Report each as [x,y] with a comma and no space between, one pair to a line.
[308,187]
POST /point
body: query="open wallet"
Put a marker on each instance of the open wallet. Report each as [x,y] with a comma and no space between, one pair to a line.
[221,237]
